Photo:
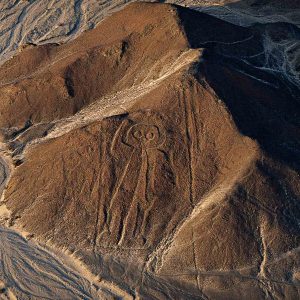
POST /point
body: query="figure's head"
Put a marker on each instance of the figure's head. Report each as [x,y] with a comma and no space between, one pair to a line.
[143,136]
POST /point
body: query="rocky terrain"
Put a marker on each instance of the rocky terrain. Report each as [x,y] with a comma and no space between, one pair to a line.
[30,22]
[155,156]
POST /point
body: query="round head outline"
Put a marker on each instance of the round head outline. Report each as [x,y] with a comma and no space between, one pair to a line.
[145,136]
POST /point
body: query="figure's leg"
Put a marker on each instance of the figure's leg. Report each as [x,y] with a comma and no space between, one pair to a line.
[133,223]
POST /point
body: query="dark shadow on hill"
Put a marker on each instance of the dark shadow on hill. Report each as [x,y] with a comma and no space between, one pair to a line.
[264,103]
[286,4]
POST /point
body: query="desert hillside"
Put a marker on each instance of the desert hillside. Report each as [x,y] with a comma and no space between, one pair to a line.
[155,156]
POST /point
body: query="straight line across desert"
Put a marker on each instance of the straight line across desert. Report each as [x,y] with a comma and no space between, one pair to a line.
[150,150]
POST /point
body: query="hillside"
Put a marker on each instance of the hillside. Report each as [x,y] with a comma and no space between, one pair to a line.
[161,150]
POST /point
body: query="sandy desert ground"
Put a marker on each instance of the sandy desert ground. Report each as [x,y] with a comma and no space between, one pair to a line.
[149,151]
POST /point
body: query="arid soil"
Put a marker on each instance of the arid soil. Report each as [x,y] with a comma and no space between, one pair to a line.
[161,151]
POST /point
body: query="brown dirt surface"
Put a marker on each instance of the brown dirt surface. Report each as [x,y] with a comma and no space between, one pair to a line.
[156,152]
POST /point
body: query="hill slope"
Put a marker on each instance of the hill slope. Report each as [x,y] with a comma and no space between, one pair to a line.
[150,153]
